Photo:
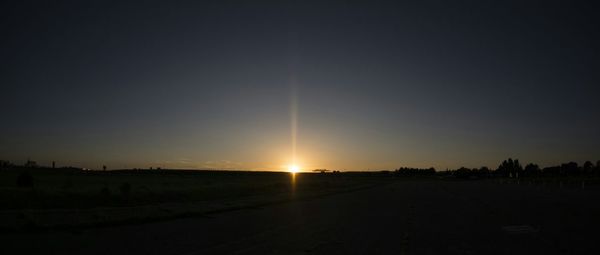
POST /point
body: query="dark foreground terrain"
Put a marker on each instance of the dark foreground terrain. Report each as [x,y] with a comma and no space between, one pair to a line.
[70,198]
[401,217]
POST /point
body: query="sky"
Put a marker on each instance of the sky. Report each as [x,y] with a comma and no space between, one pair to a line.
[258,85]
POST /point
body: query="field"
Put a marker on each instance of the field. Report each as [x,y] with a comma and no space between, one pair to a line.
[74,198]
[401,216]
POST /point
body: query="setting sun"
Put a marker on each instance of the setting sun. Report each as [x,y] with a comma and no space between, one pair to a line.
[293,168]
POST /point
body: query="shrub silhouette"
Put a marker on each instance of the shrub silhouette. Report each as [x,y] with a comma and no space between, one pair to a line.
[25,180]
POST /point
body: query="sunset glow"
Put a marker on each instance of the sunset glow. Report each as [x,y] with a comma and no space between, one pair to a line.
[293,168]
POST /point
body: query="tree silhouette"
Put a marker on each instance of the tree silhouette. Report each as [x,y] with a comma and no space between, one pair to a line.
[552,170]
[503,169]
[483,171]
[510,168]
[531,170]
[588,168]
[569,169]
[462,172]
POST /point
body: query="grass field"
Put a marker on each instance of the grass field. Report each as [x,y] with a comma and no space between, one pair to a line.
[404,216]
[60,198]
[65,197]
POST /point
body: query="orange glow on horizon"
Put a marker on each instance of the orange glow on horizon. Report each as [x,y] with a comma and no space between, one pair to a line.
[293,169]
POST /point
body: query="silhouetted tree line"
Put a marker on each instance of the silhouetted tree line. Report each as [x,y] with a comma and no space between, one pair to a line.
[533,170]
[407,171]
[467,173]
[513,169]
[510,168]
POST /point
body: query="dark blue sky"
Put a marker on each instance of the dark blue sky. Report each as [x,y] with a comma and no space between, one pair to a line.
[377,84]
